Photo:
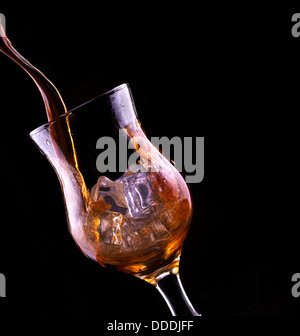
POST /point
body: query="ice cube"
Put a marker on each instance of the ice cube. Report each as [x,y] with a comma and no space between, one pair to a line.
[109,228]
[140,197]
[148,229]
[125,216]
[111,192]
[138,233]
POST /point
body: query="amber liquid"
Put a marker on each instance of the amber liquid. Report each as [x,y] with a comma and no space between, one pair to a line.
[116,228]
[137,223]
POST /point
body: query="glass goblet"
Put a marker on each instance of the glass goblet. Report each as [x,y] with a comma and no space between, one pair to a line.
[127,208]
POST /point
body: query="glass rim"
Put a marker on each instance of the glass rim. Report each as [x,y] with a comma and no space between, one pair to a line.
[105,94]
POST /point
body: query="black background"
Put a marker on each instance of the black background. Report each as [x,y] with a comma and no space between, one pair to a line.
[228,74]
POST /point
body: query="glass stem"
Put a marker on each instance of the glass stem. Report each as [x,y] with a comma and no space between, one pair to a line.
[171,289]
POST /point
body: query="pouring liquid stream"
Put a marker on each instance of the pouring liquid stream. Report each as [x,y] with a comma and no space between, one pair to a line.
[54,105]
